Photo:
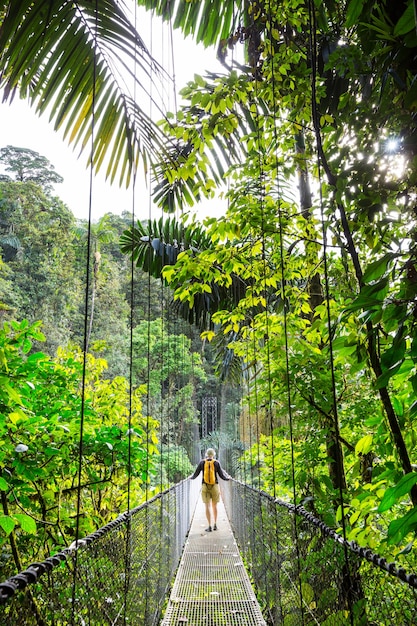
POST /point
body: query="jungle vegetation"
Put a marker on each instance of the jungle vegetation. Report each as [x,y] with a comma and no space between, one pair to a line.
[310,278]
[306,288]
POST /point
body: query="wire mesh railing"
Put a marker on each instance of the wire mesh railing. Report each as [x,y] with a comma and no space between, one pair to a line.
[304,573]
[120,574]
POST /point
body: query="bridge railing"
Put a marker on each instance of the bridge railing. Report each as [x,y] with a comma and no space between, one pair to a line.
[305,573]
[118,575]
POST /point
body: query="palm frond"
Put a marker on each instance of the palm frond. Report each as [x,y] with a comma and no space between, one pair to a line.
[76,63]
[207,21]
[158,242]
[10,240]
[227,365]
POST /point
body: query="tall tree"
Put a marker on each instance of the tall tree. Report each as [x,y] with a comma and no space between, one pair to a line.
[29,166]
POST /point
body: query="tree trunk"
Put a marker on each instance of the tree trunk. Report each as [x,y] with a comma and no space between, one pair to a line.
[316,298]
[375,362]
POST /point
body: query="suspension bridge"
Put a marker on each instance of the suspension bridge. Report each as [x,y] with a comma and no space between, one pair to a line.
[276,564]
[271,562]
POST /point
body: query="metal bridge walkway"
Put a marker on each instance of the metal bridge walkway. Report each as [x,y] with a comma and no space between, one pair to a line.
[212,587]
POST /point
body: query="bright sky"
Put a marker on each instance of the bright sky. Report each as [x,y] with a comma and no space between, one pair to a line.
[21,127]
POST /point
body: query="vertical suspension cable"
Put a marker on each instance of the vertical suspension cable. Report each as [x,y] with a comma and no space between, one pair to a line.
[165,331]
[256,404]
[288,397]
[262,178]
[149,286]
[269,418]
[128,546]
[181,430]
[261,193]
[249,418]
[146,473]
[165,511]
[316,126]
[267,339]
[164,341]
[179,208]
[285,322]
[192,426]
[164,338]
[132,292]
[171,41]
[174,90]
[86,322]
[277,607]
[162,355]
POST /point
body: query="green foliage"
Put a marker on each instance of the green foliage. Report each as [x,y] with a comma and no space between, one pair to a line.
[41,267]
[394,493]
[95,235]
[42,277]
[171,373]
[175,464]
[42,402]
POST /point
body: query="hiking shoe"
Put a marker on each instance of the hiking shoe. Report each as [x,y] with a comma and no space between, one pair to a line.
[208,530]
[215,527]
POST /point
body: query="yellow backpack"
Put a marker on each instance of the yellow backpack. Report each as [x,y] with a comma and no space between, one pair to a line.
[209,473]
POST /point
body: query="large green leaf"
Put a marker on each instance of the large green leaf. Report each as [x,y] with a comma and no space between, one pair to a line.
[370,296]
[393,494]
[394,354]
[399,528]
[353,12]
[7,523]
[407,21]
[86,69]
[27,523]
[378,268]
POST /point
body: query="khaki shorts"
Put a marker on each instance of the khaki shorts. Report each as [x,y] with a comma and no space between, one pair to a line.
[210,492]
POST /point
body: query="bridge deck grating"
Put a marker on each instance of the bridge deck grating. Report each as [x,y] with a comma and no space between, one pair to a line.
[212,587]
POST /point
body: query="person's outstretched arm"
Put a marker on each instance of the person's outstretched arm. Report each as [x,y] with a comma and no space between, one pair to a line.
[220,472]
[198,470]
